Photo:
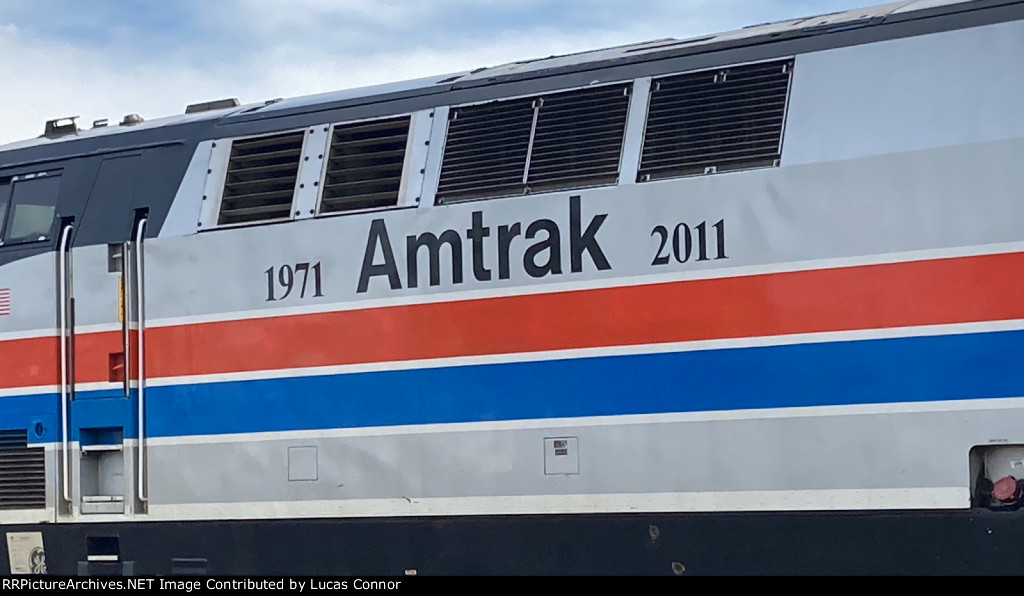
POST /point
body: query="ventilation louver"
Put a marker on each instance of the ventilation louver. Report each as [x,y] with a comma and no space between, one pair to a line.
[22,472]
[716,120]
[364,168]
[261,178]
[557,141]
[579,138]
[485,153]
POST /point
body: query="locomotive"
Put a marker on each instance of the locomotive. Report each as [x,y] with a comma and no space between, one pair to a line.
[746,303]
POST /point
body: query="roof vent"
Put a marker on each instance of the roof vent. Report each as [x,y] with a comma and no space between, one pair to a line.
[261,177]
[364,169]
[219,104]
[100,123]
[131,120]
[61,126]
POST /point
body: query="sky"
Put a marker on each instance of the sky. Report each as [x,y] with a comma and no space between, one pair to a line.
[154,57]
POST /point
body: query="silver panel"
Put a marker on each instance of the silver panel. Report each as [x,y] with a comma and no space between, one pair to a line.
[416,158]
[96,289]
[188,201]
[871,206]
[938,90]
[633,140]
[33,285]
[435,152]
[214,187]
[854,451]
[310,177]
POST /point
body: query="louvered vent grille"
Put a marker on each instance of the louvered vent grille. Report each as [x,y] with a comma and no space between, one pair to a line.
[22,472]
[713,121]
[364,169]
[485,153]
[579,138]
[558,141]
[261,178]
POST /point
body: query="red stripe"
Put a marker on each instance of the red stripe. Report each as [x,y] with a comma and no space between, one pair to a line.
[29,362]
[942,291]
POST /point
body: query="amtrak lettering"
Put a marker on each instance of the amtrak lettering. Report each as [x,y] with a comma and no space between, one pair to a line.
[543,257]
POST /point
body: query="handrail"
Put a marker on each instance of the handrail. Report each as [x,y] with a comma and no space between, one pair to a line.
[64,255]
[127,290]
[140,304]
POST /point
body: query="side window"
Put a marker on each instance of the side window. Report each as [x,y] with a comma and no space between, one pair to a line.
[30,209]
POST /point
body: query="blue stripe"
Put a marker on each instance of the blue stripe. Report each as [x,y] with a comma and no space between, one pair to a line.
[38,414]
[877,371]
[985,365]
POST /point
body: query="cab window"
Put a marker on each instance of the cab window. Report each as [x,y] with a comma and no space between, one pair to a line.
[27,208]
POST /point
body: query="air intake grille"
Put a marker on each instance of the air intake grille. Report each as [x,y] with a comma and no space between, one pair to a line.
[261,178]
[22,472]
[579,138]
[716,120]
[364,169]
[485,154]
[557,141]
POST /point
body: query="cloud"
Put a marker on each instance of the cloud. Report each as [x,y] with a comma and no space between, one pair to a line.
[154,58]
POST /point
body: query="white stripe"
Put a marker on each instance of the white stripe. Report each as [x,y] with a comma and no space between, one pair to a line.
[597,284]
[54,332]
[33,390]
[80,330]
[732,501]
[964,405]
[28,334]
[101,328]
[48,389]
[103,386]
[544,356]
[691,346]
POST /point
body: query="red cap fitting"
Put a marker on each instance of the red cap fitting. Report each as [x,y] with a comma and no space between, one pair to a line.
[1006,489]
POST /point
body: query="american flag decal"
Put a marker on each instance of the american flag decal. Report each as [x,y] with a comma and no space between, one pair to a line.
[5,301]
